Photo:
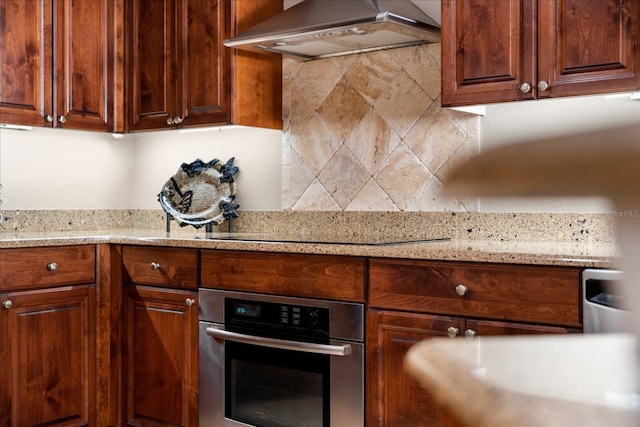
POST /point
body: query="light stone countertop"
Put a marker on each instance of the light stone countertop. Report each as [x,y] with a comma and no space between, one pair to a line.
[597,255]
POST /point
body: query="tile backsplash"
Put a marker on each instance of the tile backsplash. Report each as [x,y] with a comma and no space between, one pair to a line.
[366,133]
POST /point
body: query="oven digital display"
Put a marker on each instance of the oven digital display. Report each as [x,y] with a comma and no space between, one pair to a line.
[248,310]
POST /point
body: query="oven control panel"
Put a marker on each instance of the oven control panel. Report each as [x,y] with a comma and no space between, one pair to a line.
[264,314]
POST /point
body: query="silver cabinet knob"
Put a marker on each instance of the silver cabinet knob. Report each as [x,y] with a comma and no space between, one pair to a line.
[62,119]
[7,304]
[169,120]
[52,266]
[461,290]
[525,88]
[155,266]
[48,118]
[177,120]
[452,331]
[542,85]
[470,333]
[189,302]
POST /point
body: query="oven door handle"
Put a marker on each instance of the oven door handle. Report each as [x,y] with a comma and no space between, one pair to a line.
[332,350]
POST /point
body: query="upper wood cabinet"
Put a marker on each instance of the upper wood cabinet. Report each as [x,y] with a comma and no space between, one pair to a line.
[58,63]
[180,73]
[532,49]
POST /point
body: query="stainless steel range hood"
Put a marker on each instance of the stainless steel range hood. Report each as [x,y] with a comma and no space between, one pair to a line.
[317,29]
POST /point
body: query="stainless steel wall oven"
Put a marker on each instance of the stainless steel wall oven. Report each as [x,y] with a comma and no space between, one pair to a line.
[273,361]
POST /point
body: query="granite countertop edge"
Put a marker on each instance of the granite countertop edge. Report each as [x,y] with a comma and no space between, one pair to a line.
[596,255]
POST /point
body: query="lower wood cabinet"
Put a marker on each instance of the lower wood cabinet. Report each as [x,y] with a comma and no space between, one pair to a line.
[48,354]
[138,365]
[48,301]
[160,336]
[160,353]
[414,300]
[393,397]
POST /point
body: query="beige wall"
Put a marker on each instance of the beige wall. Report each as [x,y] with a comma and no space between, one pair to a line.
[362,133]
[62,169]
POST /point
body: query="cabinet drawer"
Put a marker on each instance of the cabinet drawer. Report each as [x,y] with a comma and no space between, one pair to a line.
[33,268]
[166,267]
[301,275]
[493,291]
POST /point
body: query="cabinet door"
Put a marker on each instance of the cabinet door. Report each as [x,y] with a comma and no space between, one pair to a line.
[47,348]
[395,398]
[160,343]
[588,46]
[84,71]
[180,70]
[257,77]
[152,64]
[204,62]
[181,74]
[488,51]
[25,60]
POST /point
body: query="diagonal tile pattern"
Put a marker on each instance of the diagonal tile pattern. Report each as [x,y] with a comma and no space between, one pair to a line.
[343,177]
[366,133]
[343,108]
[372,141]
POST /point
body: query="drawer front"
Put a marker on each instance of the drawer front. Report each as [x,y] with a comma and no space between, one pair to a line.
[493,291]
[165,267]
[301,275]
[34,268]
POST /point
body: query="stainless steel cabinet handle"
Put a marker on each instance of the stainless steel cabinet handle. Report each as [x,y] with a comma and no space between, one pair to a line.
[52,266]
[332,350]
[470,333]
[542,85]
[452,331]
[525,88]
[189,302]
[7,304]
[155,266]
[461,290]
[48,118]
[62,119]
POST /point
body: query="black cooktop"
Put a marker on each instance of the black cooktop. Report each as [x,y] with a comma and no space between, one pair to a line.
[336,240]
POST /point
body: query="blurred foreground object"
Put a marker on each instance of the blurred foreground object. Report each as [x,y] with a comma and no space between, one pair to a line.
[603,163]
[585,380]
